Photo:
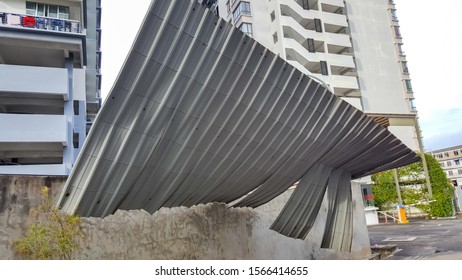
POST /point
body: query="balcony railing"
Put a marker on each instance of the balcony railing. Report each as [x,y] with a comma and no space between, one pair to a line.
[43,23]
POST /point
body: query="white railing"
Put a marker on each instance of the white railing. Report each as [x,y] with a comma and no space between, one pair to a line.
[386,215]
[43,23]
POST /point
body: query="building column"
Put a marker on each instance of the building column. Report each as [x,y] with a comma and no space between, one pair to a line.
[68,152]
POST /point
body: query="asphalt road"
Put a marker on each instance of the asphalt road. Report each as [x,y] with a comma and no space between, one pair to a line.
[421,239]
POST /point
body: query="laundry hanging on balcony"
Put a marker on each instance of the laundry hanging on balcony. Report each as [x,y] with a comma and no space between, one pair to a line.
[28,21]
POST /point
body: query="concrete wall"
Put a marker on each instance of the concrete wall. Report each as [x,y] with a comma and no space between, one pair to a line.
[373,42]
[13,6]
[17,196]
[211,231]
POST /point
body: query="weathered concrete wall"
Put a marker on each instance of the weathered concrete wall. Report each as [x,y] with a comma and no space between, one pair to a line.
[211,231]
[17,196]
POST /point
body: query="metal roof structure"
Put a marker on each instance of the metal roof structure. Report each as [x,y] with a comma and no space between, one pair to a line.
[200,113]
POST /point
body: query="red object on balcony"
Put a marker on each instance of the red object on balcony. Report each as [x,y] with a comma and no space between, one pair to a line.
[28,21]
[368,196]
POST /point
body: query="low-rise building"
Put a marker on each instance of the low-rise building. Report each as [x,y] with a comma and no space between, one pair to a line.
[451,161]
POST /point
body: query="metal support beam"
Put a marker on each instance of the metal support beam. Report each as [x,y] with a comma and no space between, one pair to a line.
[424,160]
[395,173]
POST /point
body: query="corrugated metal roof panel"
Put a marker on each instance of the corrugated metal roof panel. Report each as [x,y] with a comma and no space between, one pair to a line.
[202,113]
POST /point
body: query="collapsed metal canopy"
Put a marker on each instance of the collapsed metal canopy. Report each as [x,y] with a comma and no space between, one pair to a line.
[202,113]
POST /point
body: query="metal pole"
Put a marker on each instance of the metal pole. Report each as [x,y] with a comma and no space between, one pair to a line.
[395,173]
[422,152]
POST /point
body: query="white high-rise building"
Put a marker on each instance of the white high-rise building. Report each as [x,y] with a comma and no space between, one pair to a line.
[49,83]
[354,46]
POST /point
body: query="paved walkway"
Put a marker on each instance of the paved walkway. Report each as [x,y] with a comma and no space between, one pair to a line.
[421,239]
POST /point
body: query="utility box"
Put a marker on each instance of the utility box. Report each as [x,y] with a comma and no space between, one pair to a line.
[372,216]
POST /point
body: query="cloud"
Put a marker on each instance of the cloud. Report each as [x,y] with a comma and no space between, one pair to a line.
[443,141]
[442,128]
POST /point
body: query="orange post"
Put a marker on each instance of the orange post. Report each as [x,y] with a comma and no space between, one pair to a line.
[402,219]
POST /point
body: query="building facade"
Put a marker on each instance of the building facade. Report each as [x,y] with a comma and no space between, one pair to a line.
[451,162]
[354,46]
[49,83]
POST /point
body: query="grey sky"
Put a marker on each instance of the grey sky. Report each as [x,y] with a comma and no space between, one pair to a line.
[432,36]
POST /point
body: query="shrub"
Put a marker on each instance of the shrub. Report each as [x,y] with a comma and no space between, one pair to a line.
[52,233]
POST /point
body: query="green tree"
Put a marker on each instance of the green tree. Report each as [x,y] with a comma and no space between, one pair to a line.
[52,233]
[443,191]
[384,188]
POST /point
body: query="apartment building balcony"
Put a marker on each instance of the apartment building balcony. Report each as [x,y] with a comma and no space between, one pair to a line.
[331,3]
[336,43]
[33,90]
[341,85]
[296,50]
[333,22]
[18,79]
[42,23]
[34,144]
[329,6]
[40,41]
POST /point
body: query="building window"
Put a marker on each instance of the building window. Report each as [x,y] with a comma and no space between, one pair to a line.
[76,107]
[75,139]
[324,70]
[442,164]
[397,32]
[412,104]
[317,25]
[98,81]
[408,86]
[457,162]
[405,68]
[311,45]
[98,60]
[47,10]
[275,37]
[98,38]
[456,153]
[450,173]
[446,154]
[242,9]
[246,28]
[400,49]
[304,4]
[393,15]
[448,163]
[98,18]
[459,171]
[273,16]
[439,156]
